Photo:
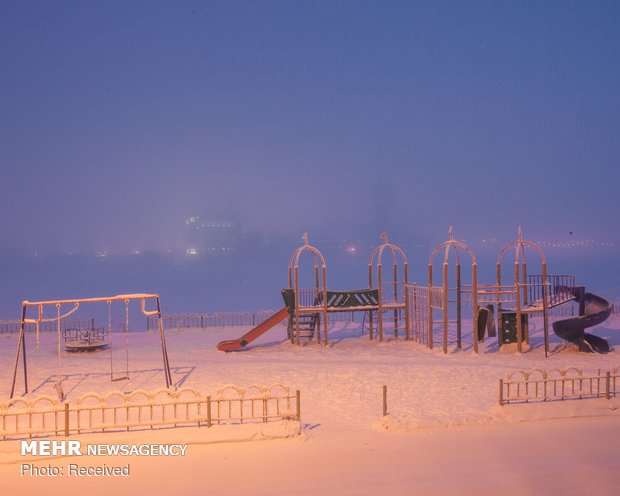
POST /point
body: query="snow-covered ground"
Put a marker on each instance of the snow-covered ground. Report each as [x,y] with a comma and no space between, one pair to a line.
[444,434]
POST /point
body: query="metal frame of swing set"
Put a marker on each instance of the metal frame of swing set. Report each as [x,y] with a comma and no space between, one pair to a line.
[21,345]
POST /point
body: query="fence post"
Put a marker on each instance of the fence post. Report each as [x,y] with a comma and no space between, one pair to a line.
[501,392]
[265,410]
[298,404]
[66,419]
[607,385]
[208,411]
[384,401]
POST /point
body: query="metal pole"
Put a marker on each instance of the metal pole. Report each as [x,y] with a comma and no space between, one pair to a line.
[384,401]
[430,306]
[525,282]
[290,276]
[498,276]
[21,349]
[458,306]
[316,287]
[395,300]
[297,305]
[407,309]
[501,392]
[370,319]
[545,309]
[380,300]
[66,419]
[444,306]
[325,321]
[164,349]
[518,308]
[476,309]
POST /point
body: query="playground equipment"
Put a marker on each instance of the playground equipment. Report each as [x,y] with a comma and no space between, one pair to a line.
[527,294]
[259,330]
[394,300]
[308,308]
[85,339]
[413,307]
[309,305]
[593,310]
[41,305]
[440,295]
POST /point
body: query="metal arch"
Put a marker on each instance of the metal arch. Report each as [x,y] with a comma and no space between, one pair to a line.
[520,265]
[448,245]
[320,285]
[394,250]
[520,245]
[377,255]
[318,256]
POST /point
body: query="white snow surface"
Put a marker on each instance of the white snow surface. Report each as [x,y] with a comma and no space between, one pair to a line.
[444,432]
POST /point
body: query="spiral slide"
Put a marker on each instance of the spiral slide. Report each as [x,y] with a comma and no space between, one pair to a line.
[596,311]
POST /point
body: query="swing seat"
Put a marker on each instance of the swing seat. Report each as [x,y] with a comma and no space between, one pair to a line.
[118,379]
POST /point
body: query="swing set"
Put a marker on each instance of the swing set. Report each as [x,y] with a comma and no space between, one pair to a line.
[58,304]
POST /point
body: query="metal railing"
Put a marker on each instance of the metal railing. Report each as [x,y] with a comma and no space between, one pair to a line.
[559,288]
[491,294]
[557,385]
[8,326]
[309,297]
[204,320]
[418,311]
[114,411]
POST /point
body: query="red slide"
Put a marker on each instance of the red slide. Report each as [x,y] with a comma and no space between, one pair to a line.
[248,337]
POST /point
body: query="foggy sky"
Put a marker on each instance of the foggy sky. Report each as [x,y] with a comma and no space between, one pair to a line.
[119,119]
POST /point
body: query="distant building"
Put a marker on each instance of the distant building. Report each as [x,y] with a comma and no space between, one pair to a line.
[213,235]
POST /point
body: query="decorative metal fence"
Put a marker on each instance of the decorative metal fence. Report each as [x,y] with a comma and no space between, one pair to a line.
[557,385]
[7,326]
[204,320]
[248,319]
[224,319]
[117,411]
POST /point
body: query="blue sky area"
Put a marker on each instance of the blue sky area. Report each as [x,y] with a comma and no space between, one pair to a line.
[342,118]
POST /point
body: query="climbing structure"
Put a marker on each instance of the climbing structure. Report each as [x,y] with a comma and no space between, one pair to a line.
[442,296]
[391,302]
[392,294]
[309,305]
[528,293]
